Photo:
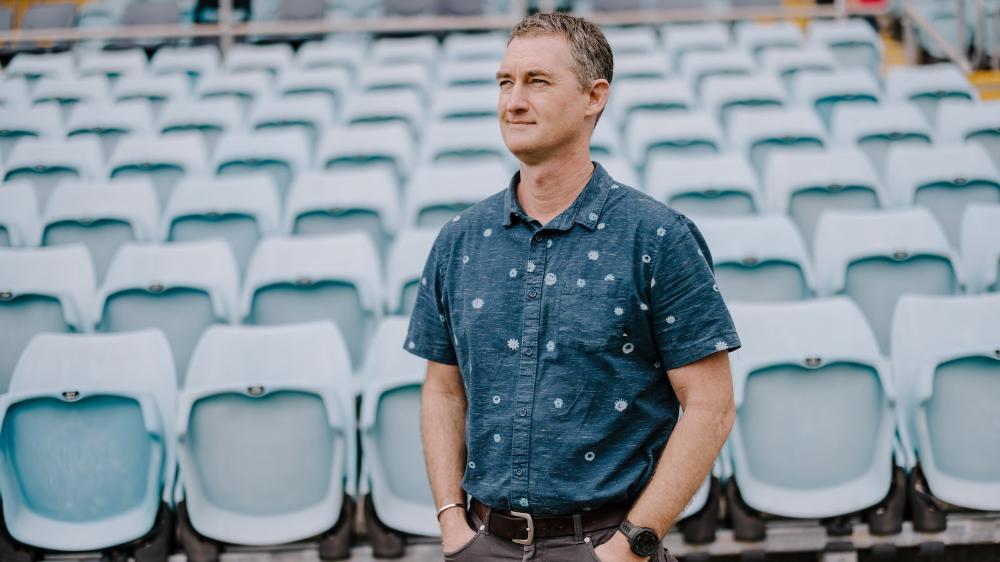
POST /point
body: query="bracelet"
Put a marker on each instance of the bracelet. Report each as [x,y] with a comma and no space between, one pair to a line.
[448,506]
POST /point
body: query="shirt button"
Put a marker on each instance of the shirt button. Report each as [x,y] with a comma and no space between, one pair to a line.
[532,293]
[528,352]
[523,412]
[518,472]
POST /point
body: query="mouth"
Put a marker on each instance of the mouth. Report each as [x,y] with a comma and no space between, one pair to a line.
[520,122]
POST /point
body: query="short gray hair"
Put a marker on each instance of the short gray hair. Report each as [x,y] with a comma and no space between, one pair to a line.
[589,47]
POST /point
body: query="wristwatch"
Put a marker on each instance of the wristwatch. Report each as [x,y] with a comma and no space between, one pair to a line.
[642,540]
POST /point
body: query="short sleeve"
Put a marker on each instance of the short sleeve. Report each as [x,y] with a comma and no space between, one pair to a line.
[690,318]
[429,333]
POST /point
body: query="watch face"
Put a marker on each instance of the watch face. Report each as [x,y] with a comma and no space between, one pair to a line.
[645,543]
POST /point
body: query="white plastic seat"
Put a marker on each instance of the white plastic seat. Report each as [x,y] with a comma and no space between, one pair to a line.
[960,122]
[627,40]
[465,140]
[640,67]
[825,91]
[927,85]
[333,83]
[112,64]
[674,134]
[14,92]
[376,107]
[680,40]
[155,89]
[102,217]
[37,65]
[403,271]
[165,160]
[16,123]
[759,38]
[46,162]
[42,290]
[272,58]
[759,258]
[769,131]
[943,179]
[804,185]
[282,154]
[19,216]
[606,141]
[335,277]
[390,433]
[980,246]
[309,113]
[331,54]
[465,102]
[66,92]
[621,170]
[852,41]
[247,86]
[409,76]
[464,73]
[90,457]
[474,47]
[388,145]
[874,257]
[635,100]
[699,65]
[875,129]
[241,210]
[401,50]
[948,372]
[190,61]
[815,430]
[256,398]
[704,185]
[724,96]
[788,64]
[210,118]
[344,200]
[109,122]
[436,193]
[181,288]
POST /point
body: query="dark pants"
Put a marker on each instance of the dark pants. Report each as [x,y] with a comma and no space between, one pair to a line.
[491,548]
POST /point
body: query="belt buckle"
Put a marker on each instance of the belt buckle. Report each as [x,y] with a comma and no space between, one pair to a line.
[531,527]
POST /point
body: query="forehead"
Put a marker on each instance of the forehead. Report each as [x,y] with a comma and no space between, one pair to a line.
[549,52]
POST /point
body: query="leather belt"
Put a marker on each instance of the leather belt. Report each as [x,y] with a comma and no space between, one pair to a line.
[522,528]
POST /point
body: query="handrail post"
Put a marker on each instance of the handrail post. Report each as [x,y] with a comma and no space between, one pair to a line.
[226,25]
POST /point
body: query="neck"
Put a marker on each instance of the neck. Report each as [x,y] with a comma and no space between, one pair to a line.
[549,188]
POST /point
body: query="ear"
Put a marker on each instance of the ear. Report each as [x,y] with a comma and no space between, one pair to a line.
[598,97]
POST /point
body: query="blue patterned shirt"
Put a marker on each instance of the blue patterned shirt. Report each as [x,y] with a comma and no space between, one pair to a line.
[563,334]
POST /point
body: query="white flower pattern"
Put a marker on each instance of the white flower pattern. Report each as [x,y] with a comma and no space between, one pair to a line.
[580,282]
[496,437]
[513,273]
[548,243]
[593,216]
[721,345]
[609,277]
[550,346]
[661,231]
[477,303]
[558,403]
[465,259]
[619,311]
[456,218]
[593,255]
[513,344]
[671,319]
[621,404]
[600,226]
[550,278]
[643,307]
[530,268]
[488,232]
[411,345]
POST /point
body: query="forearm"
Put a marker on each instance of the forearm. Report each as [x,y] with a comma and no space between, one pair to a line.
[442,422]
[683,465]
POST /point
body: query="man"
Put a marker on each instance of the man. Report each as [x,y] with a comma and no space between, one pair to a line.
[550,313]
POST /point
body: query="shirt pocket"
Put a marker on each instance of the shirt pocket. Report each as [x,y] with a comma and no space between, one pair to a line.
[593,317]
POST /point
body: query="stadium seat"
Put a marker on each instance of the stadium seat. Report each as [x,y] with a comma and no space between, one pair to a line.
[761,134]
[760,38]
[344,200]
[301,10]
[102,217]
[390,433]
[637,100]
[335,277]
[16,123]
[165,160]
[699,65]
[376,107]
[247,86]
[387,145]
[112,64]
[876,128]
[266,433]
[308,113]
[943,16]
[109,122]
[629,40]
[463,73]
[926,86]
[704,184]
[466,102]
[674,134]
[946,361]
[89,449]
[42,290]
[157,90]
[240,209]
[875,257]
[825,91]
[400,50]
[408,76]
[46,162]
[346,55]
[815,424]
[980,246]
[943,179]
[273,58]
[33,66]
[283,154]
[19,216]
[67,92]
[181,288]
[759,258]
[193,62]
[606,140]
[334,83]
[403,270]
[436,193]
[477,47]
[960,122]
[789,64]
[804,185]
[465,140]
[723,96]
[49,15]
[680,40]
[641,67]
[852,41]
[621,169]
[14,92]
[210,118]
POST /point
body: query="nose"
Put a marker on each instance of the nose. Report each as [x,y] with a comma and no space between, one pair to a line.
[514,100]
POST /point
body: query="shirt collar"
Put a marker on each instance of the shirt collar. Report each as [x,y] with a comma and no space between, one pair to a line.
[586,209]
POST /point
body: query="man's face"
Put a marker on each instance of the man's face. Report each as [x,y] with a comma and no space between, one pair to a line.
[542,108]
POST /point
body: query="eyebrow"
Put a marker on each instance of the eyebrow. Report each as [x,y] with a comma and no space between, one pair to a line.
[531,73]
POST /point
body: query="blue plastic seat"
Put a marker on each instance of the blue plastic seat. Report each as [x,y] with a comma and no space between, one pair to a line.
[88,447]
[266,433]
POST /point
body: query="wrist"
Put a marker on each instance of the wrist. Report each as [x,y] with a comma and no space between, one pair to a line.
[452,518]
